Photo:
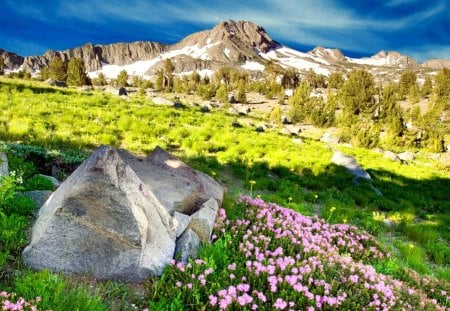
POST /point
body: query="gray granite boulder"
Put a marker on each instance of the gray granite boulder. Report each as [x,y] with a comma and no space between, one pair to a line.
[118,216]
[187,246]
[202,221]
[350,164]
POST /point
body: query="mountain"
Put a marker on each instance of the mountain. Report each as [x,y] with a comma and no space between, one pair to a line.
[239,44]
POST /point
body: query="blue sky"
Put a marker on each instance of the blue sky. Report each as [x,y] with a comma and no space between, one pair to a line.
[419,28]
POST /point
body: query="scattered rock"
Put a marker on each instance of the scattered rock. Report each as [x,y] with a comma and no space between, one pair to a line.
[292,130]
[406,156]
[350,164]
[236,124]
[286,121]
[187,246]
[4,168]
[202,221]
[38,196]
[297,141]
[112,217]
[123,91]
[391,156]
[260,129]
[56,83]
[205,109]
[231,99]
[178,105]
[329,139]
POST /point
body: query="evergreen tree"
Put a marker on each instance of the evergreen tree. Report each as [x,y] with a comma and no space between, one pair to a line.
[44,74]
[102,79]
[357,94]
[299,103]
[2,66]
[222,93]
[427,87]
[408,79]
[57,69]
[290,79]
[167,75]
[275,114]
[76,72]
[122,78]
[335,80]
[241,96]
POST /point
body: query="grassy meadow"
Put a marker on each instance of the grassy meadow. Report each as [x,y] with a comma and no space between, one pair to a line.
[361,250]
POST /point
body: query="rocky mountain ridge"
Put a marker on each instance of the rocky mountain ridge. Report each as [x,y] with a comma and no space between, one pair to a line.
[239,44]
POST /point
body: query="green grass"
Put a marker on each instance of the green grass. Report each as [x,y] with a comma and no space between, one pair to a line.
[59,127]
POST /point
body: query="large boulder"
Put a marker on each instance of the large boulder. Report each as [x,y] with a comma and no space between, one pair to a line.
[350,164]
[4,170]
[113,217]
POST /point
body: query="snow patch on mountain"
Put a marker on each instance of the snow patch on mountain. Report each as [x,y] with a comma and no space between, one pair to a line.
[255,66]
[288,57]
[139,68]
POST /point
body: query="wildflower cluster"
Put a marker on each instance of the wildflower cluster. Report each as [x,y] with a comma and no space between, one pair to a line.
[9,301]
[278,259]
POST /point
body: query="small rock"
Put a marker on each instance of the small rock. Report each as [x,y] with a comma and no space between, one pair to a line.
[123,91]
[236,124]
[187,246]
[38,196]
[406,156]
[181,222]
[205,109]
[4,170]
[178,105]
[286,121]
[329,139]
[202,221]
[260,129]
[391,156]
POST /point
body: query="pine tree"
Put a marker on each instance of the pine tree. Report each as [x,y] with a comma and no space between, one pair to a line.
[357,94]
[122,78]
[241,96]
[222,94]
[408,79]
[101,79]
[275,114]
[290,79]
[76,72]
[167,75]
[44,74]
[299,103]
[427,87]
[58,69]
[335,80]
[2,66]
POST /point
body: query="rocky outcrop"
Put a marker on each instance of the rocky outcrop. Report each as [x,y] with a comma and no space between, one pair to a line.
[94,56]
[396,59]
[11,60]
[331,55]
[437,64]
[115,216]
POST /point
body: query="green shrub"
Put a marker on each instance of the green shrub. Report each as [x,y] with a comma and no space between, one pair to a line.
[55,293]
[38,182]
